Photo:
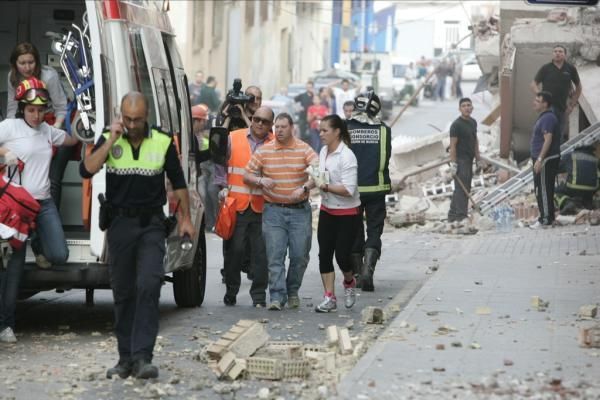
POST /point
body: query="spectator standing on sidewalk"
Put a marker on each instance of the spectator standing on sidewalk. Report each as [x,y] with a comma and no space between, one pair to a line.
[315,114]
[327,99]
[279,168]
[343,95]
[545,154]
[305,100]
[558,77]
[247,241]
[372,144]
[464,147]
[208,94]
[195,88]
[338,218]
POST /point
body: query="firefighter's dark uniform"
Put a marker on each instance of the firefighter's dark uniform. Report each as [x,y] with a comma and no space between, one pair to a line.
[578,190]
[135,194]
[372,145]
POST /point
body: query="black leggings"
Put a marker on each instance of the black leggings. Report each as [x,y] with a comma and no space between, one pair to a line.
[336,234]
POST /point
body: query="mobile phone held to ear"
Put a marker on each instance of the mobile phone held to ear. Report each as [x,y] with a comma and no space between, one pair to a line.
[564,2]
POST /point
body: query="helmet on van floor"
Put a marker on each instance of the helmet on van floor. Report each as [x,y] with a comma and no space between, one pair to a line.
[32,91]
[367,102]
[200,111]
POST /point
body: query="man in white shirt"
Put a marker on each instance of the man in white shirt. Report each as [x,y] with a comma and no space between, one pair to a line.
[343,95]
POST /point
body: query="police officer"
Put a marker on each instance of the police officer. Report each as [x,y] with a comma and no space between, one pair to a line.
[372,144]
[136,158]
[578,190]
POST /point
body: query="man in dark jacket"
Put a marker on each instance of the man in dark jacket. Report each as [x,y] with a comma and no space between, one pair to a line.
[372,144]
[208,94]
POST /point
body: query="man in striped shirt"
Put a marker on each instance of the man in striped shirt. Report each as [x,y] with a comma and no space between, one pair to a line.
[278,168]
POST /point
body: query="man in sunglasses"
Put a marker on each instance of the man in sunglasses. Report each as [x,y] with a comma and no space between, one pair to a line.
[247,235]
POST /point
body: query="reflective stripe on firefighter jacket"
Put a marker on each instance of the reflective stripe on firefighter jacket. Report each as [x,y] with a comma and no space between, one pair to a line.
[372,146]
[241,153]
[582,171]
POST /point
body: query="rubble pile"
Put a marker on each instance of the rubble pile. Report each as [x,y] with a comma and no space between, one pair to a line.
[247,351]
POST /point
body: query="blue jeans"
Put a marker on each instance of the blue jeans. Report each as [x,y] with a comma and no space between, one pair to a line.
[285,228]
[48,239]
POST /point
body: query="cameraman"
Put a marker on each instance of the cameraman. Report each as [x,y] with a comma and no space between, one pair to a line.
[237,116]
[234,117]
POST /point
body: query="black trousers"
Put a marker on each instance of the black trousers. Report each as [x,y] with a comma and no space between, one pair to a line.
[459,206]
[374,210]
[336,234]
[248,230]
[136,275]
[544,188]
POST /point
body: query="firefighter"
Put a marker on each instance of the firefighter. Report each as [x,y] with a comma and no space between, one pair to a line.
[135,195]
[371,142]
[577,192]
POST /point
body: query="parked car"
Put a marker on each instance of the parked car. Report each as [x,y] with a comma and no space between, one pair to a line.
[470,69]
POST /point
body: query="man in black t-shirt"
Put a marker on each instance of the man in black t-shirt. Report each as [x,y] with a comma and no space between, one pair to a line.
[464,147]
[305,100]
[558,77]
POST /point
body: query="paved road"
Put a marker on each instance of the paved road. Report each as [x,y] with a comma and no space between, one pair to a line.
[65,347]
[418,121]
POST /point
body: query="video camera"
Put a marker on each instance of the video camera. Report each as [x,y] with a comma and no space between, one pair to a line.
[236,96]
[218,134]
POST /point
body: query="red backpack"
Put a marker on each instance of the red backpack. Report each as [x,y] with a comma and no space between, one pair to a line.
[18,210]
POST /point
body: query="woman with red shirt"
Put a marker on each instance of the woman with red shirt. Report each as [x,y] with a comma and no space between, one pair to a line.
[314,115]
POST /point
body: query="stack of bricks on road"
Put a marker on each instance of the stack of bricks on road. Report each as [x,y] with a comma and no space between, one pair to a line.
[247,351]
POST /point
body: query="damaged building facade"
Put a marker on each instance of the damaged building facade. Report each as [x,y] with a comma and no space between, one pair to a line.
[509,58]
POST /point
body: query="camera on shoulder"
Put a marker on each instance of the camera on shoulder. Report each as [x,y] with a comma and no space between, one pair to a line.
[236,96]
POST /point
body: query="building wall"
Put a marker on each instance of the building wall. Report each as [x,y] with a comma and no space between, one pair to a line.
[450,20]
[268,43]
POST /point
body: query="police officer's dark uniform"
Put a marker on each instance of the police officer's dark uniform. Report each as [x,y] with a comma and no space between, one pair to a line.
[371,142]
[135,195]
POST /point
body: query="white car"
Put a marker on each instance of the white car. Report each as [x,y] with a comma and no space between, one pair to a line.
[470,69]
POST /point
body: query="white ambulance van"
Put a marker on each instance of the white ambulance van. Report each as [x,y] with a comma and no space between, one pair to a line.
[110,47]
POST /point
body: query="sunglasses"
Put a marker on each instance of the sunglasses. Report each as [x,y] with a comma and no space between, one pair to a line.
[32,94]
[259,120]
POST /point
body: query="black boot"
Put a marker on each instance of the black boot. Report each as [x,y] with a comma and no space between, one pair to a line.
[122,370]
[356,261]
[143,369]
[371,257]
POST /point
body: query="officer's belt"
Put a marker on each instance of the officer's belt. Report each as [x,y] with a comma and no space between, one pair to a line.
[136,211]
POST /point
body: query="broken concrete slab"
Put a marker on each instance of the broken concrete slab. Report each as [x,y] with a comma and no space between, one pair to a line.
[588,311]
[589,336]
[372,315]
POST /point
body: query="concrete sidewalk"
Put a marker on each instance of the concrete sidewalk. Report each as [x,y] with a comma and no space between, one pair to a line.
[471,331]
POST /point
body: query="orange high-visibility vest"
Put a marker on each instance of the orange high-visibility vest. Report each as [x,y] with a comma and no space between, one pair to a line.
[236,167]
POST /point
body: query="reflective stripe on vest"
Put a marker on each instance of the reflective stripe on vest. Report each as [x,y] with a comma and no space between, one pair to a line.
[151,159]
[236,167]
[381,186]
